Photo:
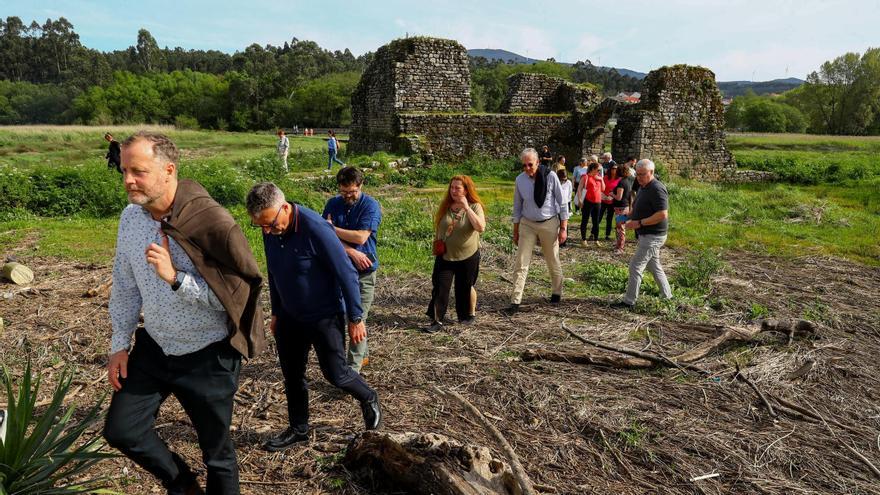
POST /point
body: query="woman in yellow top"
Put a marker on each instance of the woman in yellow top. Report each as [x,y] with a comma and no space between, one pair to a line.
[458,222]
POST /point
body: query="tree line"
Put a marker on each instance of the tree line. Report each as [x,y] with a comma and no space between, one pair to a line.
[841,98]
[48,76]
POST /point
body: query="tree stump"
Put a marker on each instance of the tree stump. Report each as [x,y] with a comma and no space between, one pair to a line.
[17,273]
[428,463]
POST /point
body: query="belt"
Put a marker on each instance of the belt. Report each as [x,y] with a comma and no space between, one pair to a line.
[542,221]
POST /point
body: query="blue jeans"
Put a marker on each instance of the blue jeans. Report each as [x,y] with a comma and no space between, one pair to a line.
[332,159]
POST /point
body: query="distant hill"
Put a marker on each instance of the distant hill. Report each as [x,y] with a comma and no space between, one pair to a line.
[738,88]
[728,88]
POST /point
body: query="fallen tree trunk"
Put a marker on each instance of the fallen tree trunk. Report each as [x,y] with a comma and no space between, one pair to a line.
[585,358]
[428,463]
[641,359]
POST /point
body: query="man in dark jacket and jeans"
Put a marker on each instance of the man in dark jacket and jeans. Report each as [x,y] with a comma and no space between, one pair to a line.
[314,290]
[198,286]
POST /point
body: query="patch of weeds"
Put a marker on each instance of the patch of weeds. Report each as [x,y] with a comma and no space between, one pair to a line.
[327,462]
[818,312]
[757,311]
[443,339]
[742,356]
[634,435]
[642,333]
[657,306]
[507,355]
[335,483]
[697,270]
[719,303]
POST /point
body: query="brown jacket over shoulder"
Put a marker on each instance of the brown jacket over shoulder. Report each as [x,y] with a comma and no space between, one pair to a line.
[217,247]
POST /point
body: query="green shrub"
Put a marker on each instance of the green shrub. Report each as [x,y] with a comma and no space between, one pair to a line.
[186,122]
[227,184]
[43,451]
[697,270]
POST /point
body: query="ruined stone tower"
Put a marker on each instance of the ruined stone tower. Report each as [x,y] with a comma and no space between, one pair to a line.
[679,122]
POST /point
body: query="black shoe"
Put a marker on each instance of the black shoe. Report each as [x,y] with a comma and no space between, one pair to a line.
[186,482]
[622,305]
[286,439]
[470,320]
[511,310]
[372,414]
[555,298]
[433,327]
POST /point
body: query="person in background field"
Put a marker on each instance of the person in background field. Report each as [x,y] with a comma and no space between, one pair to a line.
[546,156]
[182,260]
[579,171]
[560,164]
[650,218]
[621,204]
[590,189]
[539,213]
[332,149]
[566,195]
[459,221]
[314,289]
[113,153]
[607,211]
[606,162]
[283,147]
[355,216]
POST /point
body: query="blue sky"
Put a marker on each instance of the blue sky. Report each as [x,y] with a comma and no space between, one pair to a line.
[738,39]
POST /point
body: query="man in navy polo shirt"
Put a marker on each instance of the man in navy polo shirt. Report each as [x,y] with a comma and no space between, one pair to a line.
[356,217]
[314,289]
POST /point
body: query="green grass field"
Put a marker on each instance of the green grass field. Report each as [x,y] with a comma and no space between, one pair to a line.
[840,219]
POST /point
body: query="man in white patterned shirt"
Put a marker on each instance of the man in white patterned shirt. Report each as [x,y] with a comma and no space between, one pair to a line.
[195,328]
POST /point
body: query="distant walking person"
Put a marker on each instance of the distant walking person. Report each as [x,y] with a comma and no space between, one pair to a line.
[332,149]
[649,217]
[579,171]
[458,224]
[283,148]
[114,153]
[566,194]
[546,156]
[539,213]
[355,216]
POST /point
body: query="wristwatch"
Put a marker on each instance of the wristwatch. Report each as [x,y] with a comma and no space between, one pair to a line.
[356,320]
[178,281]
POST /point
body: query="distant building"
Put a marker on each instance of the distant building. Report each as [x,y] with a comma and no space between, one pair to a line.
[628,97]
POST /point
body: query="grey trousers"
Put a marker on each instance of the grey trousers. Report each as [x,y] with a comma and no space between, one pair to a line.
[647,255]
[358,352]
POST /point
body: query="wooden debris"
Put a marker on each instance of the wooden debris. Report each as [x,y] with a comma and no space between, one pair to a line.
[17,273]
[428,463]
[99,290]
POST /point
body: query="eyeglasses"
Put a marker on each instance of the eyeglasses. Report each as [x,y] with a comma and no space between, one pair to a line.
[270,226]
[349,192]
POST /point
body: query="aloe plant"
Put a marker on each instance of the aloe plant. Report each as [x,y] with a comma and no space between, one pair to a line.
[48,452]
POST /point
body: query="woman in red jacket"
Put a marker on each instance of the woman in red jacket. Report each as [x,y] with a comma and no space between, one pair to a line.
[593,188]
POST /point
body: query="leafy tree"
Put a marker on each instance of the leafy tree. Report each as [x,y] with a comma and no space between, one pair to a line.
[147,53]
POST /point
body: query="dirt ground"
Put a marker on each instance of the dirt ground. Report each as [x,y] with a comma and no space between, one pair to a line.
[577,428]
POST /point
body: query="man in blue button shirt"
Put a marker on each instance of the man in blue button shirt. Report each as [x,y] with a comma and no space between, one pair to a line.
[356,217]
[313,287]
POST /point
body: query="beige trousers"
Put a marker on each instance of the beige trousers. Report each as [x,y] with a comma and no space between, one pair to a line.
[529,233]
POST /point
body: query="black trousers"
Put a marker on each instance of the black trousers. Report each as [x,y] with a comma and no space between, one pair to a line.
[327,335]
[465,273]
[204,382]
[607,213]
[590,211]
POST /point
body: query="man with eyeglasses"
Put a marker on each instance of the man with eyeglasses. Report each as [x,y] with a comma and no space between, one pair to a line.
[314,289]
[649,217]
[540,212]
[355,216]
[181,259]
